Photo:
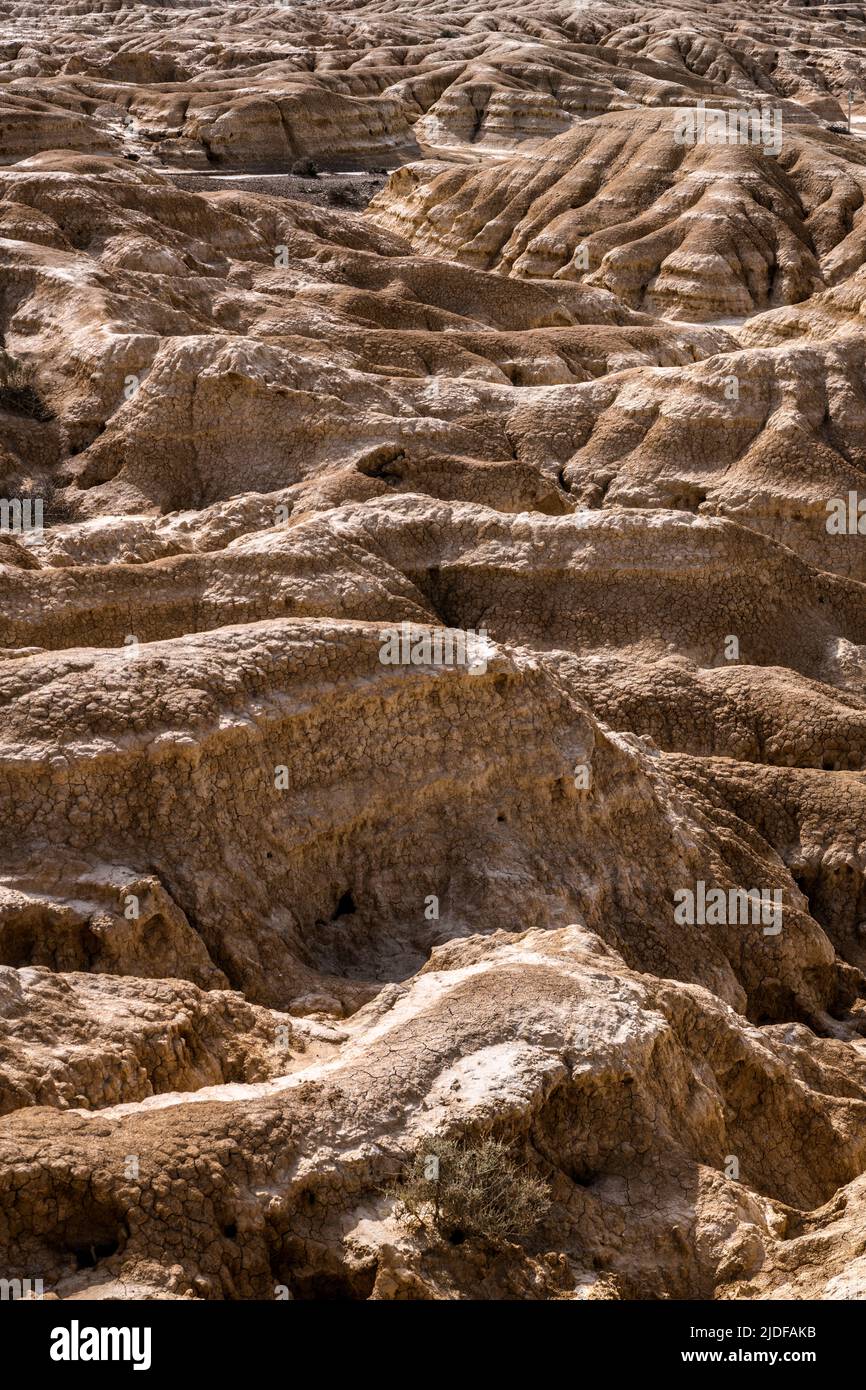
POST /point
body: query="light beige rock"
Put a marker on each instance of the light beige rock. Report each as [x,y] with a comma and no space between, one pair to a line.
[278,913]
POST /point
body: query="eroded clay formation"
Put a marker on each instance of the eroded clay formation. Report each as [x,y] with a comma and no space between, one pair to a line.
[560,355]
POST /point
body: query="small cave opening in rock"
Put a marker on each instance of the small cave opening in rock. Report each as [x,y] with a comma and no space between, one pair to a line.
[88,1255]
[345,907]
[314,1272]
[334,1286]
[836,897]
[777,1004]
[88,1232]
[314,1269]
[33,939]
[380,464]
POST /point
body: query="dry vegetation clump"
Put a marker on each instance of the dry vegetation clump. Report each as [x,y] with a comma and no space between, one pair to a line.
[460,1188]
[55,506]
[18,392]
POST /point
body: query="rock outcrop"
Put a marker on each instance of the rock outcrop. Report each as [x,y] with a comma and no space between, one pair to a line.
[432,646]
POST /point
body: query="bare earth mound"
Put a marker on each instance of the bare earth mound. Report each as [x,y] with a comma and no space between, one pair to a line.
[433,647]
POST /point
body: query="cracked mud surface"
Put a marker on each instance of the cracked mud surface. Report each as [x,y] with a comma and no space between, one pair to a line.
[321,324]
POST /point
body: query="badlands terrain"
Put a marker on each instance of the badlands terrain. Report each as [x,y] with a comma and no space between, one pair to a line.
[326,328]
